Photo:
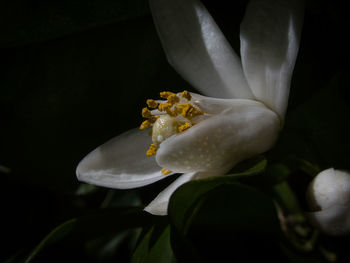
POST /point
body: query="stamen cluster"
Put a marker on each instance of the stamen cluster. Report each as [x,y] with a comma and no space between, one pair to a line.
[175,115]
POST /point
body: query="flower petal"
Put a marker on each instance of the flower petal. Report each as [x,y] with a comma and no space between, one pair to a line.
[333,221]
[242,129]
[159,205]
[198,50]
[270,34]
[121,163]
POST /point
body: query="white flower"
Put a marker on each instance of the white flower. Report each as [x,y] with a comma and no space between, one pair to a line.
[241,118]
[328,196]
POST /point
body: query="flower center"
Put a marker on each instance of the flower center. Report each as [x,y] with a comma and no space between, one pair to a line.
[168,117]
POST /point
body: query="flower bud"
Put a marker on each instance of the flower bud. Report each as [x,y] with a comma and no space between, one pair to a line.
[328,196]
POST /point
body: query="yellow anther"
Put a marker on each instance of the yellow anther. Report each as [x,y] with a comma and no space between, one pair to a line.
[187,110]
[166,94]
[145,124]
[146,113]
[152,150]
[173,98]
[152,104]
[153,119]
[185,94]
[183,127]
[171,112]
[165,171]
[164,106]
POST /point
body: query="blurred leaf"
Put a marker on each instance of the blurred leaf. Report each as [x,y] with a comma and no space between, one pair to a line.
[317,130]
[294,257]
[106,248]
[286,198]
[4,169]
[56,235]
[226,221]
[94,225]
[191,192]
[26,22]
[117,198]
[154,246]
[85,189]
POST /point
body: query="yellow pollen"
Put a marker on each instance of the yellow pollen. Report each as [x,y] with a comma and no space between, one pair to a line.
[173,99]
[170,123]
[165,171]
[152,104]
[183,127]
[187,110]
[146,113]
[166,94]
[147,123]
[164,106]
[152,150]
[185,94]
[171,112]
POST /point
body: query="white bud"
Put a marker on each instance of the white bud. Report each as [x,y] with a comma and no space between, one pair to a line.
[328,196]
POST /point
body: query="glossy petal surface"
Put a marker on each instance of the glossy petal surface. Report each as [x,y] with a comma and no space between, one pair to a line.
[270,34]
[198,50]
[121,163]
[237,130]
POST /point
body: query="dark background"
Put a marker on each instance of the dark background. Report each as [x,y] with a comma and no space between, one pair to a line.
[76,73]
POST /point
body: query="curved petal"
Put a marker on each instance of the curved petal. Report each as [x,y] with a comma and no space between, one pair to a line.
[242,129]
[121,163]
[159,206]
[333,221]
[270,34]
[198,50]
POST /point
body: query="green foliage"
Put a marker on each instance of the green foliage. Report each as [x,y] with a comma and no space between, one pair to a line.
[154,246]
[92,226]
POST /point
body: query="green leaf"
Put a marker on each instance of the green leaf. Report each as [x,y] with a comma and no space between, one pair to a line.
[192,191]
[154,246]
[94,225]
[224,219]
[56,235]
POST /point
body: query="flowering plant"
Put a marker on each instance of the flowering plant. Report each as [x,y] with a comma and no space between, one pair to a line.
[206,136]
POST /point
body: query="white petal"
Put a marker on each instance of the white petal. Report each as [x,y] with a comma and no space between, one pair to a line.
[242,129]
[270,34]
[198,50]
[159,206]
[121,163]
[334,220]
